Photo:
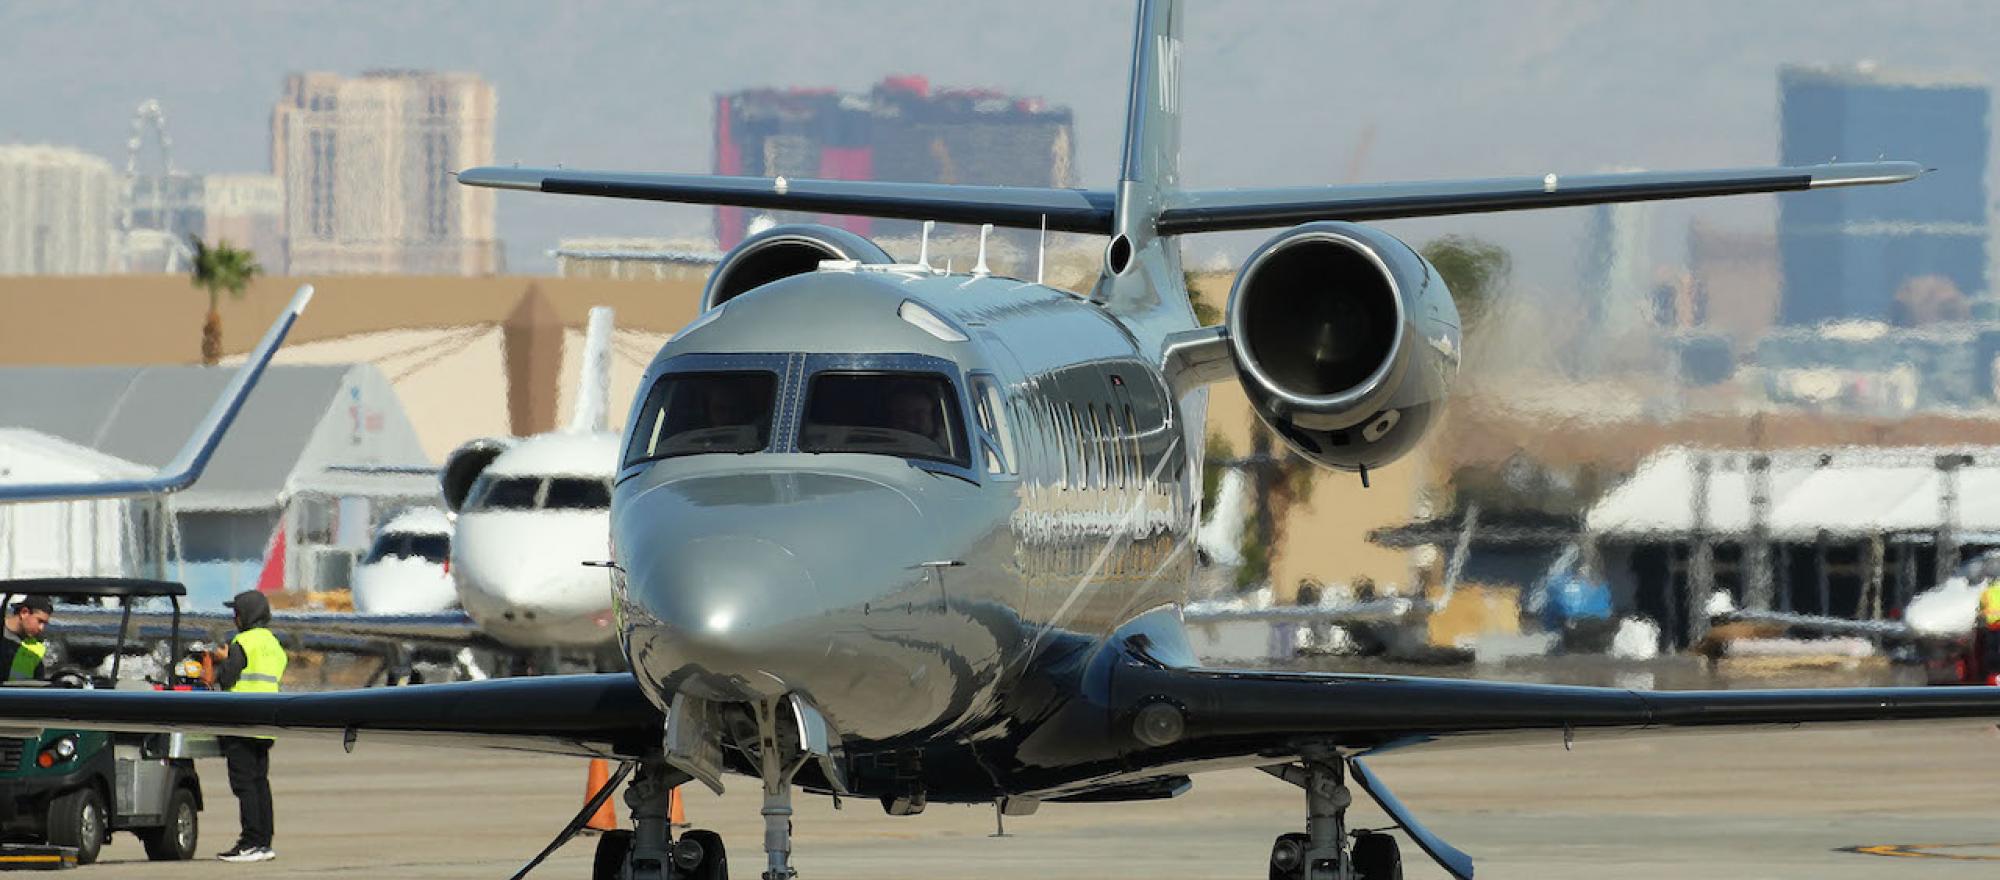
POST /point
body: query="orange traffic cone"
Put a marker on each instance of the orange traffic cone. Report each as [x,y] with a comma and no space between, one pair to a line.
[676,814]
[606,818]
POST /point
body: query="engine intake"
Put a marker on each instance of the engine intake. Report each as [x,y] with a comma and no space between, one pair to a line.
[781,252]
[1346,341]
[464,465]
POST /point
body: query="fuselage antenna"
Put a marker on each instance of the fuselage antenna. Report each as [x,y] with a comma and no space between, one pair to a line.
[980,268]
[924,245]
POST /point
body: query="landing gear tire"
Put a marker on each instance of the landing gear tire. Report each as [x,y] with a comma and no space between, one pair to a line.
[175,840]
[1375,856]
[699,855]
[613,849]
[1288,855]
[77,820]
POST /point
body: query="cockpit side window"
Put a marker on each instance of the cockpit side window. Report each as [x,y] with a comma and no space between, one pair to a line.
[993,419]
[577,493]
[696,413]
[911,415]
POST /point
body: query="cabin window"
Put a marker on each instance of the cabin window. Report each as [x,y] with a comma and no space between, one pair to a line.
[910,415]
[697,413]
[577,493]
[995,420]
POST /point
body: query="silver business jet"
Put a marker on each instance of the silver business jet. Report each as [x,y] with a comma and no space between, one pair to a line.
[889,532]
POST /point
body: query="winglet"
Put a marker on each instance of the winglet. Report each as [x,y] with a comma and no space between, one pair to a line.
[193,458]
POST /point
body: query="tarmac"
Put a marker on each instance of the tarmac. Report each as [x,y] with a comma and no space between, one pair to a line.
[1769,804]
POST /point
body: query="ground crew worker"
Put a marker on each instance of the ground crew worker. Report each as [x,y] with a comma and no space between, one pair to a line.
[253,662]
[25,652]
[1989,605]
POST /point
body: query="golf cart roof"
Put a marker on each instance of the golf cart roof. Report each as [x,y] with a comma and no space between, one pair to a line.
[91,587]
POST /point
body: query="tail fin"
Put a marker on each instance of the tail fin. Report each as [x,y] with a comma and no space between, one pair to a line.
[593,387]
[1153,101]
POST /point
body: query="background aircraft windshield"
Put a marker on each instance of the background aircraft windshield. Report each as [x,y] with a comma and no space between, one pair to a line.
[694,413]
[407,545]
[577,493]
[906,414]
[505,493]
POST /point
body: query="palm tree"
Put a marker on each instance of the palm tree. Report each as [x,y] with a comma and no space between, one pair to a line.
[217,269]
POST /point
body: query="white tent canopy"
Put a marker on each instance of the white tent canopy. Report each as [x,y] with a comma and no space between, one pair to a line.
[1846,491]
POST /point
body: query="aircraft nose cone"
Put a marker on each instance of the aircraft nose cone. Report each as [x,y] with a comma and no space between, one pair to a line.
[742,582]
[730,609]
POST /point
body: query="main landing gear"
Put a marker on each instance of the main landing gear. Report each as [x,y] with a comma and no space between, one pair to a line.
[1323,852]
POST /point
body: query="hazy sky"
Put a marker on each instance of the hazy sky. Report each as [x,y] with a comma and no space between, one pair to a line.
[1276,93]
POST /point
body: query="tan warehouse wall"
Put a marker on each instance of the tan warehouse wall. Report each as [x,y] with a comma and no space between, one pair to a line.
[155,319]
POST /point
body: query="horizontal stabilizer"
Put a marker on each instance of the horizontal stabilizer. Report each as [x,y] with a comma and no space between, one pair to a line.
[1227,209]
[193,458]
[1064,210]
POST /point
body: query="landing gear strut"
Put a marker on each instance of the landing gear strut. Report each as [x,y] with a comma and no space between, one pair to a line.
[1323,853]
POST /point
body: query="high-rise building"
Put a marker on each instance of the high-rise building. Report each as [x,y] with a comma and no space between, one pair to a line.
[1846,254]
[366,166]
[58,212]
[248,212]
[900,130]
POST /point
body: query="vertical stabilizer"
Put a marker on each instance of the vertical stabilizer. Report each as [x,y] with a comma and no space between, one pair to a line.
[1148,173]
[1153,101]
[593,386]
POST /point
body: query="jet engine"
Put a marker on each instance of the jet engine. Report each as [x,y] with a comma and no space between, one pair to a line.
[781,252]
[1346,341]
[464,465]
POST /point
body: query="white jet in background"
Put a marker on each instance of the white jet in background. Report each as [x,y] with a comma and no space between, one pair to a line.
[531,512]
[408,567]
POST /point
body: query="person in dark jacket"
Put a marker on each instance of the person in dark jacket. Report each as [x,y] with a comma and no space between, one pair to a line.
[252,662]
[23,654]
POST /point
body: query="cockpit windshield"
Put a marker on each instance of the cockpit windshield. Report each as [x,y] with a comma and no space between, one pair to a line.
[539,493]
[695,413]
[913,415]
[577,493]
[409,545]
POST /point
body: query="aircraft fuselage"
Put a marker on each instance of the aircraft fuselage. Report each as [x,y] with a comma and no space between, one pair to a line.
[908,598]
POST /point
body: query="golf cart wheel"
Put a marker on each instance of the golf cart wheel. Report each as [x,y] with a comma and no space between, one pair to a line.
[77,820]
[175,840]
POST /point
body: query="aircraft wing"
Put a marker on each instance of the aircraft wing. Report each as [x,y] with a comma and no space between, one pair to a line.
[1227,209]
[602,715]
[1371,610]
[328,630]
[193,458]
[1232,713]
[1062,210]
[1821,625]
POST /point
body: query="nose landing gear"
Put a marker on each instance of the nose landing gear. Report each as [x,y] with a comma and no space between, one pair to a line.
[1323,852]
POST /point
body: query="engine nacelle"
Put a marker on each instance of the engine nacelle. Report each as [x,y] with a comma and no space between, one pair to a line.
[464,465]
[781,252]
[1346,341]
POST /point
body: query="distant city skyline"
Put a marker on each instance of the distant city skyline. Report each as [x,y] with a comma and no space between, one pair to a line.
[1280,95]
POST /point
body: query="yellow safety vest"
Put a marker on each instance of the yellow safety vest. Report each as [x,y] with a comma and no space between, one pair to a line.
[26,658]
[263,662]
[1989,606]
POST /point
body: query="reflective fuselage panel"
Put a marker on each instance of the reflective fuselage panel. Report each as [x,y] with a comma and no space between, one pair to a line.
[904,596]
[530,522]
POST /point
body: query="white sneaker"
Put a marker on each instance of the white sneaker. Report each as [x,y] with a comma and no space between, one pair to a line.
[249,854]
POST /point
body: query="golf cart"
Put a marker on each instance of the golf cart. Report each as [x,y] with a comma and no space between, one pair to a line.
[63,792]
